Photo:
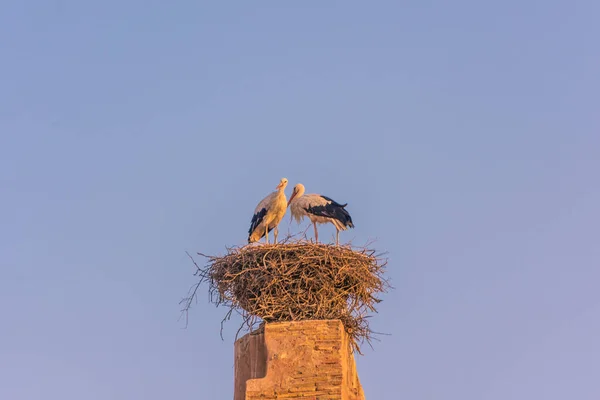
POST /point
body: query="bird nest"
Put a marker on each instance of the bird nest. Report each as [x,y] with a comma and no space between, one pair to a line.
[296,281]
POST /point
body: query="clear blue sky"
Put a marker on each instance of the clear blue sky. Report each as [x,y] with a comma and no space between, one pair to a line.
[464,135]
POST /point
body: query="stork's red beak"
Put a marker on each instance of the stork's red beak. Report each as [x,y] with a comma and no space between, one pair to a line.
[291,197]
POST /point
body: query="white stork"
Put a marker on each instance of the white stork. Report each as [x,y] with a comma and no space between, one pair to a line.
[320,209]
[268,214]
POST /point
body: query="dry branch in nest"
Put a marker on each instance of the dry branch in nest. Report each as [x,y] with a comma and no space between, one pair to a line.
[295,281]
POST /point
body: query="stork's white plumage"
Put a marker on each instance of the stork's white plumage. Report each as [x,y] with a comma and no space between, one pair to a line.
[319,209]
[268,214]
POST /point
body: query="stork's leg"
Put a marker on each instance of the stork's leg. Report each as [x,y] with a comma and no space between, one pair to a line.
[267,233]
[337,237]
[316,233]
[275,232]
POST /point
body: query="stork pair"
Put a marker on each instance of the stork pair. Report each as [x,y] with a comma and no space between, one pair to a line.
[318,208]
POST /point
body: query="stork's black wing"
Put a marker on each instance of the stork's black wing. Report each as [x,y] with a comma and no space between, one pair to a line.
[256,220]
[332,209]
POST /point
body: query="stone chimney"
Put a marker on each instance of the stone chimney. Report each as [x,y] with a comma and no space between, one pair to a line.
[296,360]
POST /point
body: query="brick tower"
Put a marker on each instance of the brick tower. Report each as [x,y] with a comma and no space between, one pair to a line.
[310,359]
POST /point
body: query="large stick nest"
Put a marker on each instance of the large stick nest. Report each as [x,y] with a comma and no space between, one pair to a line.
[297,281]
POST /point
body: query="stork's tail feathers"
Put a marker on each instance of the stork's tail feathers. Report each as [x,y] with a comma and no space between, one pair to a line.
[343,216]
[347,220]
